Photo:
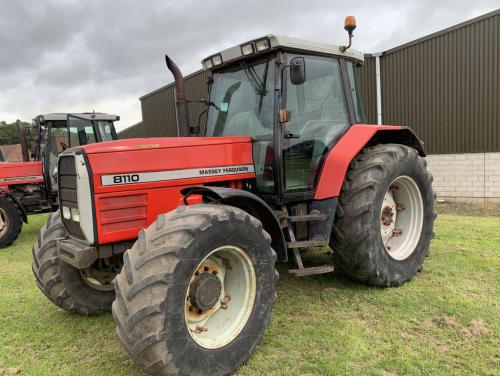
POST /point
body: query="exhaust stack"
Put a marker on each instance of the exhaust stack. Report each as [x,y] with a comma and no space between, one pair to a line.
[181,108]
[24,142]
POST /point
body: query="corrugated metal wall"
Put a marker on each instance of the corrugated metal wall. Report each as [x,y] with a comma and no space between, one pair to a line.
[158,107]
[369,89]
[134,131]
[445,86]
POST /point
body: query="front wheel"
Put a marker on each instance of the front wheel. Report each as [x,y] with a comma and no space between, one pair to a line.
[196,291]
[384,221]
[11,221]
[87,291]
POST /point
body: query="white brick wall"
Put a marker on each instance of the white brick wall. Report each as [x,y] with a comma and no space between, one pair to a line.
[471,177]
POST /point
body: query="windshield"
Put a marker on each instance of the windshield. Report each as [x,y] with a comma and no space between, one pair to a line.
[242,98]
[107,130]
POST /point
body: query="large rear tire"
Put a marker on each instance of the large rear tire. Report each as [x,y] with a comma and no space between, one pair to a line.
[385,217]
[196,291]
[64,285]
[11,221]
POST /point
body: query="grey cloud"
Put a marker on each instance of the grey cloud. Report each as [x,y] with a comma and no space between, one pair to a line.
[75,56]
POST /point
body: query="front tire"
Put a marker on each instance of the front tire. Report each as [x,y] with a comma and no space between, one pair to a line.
[168,323]
[64,285]
[385,217]
[11,221]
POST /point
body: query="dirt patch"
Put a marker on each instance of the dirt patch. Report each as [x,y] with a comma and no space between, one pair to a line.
[441,347]
[446,322]
[481,209]
[10,371]
[476,327]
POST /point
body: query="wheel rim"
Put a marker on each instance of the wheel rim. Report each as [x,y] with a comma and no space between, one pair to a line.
[401,218]
[4,222]
[101,275]
[220,297]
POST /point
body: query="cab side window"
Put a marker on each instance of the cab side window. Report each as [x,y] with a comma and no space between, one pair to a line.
[318,117]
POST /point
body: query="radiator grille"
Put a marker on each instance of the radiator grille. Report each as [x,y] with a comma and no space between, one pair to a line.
[68,193]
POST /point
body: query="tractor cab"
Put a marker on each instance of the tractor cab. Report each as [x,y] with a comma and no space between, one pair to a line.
[295,98]
[60,131]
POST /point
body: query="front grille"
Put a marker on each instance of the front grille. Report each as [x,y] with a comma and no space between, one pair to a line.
[68,193]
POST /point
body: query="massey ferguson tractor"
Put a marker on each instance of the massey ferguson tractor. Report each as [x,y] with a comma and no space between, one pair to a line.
[30,187]
[179,236]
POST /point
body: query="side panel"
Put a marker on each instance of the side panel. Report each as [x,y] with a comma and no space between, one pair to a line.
[20,173]
[338,160]
[131,188]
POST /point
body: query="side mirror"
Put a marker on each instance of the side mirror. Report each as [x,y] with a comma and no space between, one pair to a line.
[298,70]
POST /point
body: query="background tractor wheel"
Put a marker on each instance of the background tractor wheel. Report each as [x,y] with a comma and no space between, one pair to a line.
[11,221]
[384,221]
[196,291]
[68,288]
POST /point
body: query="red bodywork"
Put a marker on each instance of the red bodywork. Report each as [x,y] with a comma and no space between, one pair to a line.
[122,210]
[338,160]
[14,173]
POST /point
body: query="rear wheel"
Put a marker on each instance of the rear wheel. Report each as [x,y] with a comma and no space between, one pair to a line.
[11,221]
[86,292]
[385,217]
[196,291]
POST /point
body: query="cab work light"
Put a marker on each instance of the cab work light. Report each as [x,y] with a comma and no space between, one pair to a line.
[262,45]
[217,59]
[208,63]
[247,49]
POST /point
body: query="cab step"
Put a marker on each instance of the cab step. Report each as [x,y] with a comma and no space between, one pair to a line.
[307,243]
[302,272]
[307,217]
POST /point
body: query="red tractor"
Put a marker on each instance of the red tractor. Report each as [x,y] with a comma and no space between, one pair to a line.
[179,236]
[30,187]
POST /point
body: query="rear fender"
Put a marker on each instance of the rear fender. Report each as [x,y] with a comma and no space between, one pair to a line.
[356,138]
[6,193]
[250,203]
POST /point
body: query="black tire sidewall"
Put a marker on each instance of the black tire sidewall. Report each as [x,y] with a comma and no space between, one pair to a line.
[15,221]
[181,345]
[404,269]
[83,293]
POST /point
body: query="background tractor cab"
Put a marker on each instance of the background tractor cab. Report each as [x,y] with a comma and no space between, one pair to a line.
[30,186]
[59,131]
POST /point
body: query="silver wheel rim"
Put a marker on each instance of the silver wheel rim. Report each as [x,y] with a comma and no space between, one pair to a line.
[4,222]
[401,218]
[217,326]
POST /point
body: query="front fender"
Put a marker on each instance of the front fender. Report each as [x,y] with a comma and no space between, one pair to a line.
[250,203]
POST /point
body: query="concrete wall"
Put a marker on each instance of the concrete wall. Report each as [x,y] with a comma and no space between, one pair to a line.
[468,177]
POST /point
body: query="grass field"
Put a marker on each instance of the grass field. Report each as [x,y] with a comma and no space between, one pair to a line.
[445,321]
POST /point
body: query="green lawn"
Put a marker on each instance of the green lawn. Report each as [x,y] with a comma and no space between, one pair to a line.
[445,321]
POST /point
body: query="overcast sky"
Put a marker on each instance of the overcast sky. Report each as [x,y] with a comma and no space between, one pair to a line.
[77,56]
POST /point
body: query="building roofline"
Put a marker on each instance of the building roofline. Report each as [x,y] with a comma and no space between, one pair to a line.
[130,126]
[441,32]
[169,85]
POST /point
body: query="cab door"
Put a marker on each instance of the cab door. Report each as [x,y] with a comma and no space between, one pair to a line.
[319,115]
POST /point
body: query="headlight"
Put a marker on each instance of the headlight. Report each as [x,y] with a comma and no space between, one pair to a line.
[66,212]
[75,215]
[217,59]
[262,45]
[247,49]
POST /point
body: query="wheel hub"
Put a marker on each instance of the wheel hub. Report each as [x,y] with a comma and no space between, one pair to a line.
[204,291]
[387,216]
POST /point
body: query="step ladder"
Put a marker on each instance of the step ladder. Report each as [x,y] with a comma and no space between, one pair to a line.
[295,244]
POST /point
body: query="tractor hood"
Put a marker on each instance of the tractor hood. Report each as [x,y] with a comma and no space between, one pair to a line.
[158,162]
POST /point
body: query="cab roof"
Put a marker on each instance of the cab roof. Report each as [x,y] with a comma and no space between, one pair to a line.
[63,116]
[288,43]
